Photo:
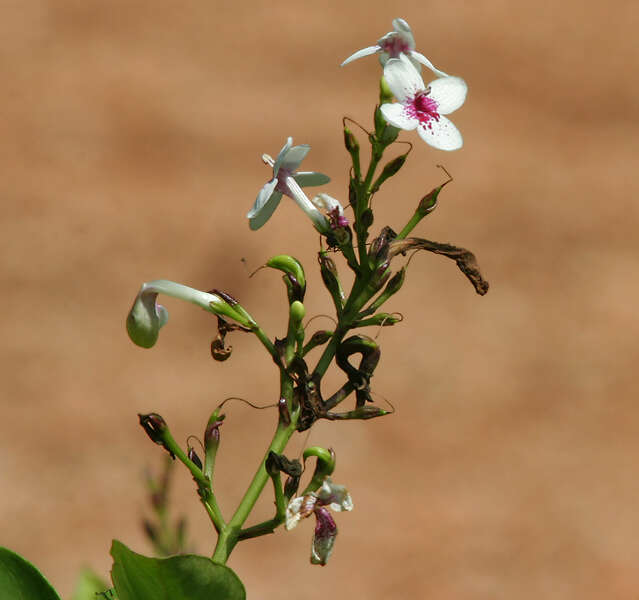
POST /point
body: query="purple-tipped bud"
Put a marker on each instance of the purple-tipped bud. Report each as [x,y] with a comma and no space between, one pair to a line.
[154,426]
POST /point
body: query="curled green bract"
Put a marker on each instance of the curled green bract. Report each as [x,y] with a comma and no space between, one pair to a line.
[323,468]
[147,317]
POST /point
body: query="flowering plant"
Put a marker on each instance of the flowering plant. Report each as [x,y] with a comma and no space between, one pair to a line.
[378,269]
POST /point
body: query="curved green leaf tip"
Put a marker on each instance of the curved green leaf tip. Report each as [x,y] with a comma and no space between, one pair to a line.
[184,577]
[20,580]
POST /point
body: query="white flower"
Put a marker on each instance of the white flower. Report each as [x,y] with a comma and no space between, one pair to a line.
[424,107]
[147,317]
[330,494]
[287,181]
[394,44]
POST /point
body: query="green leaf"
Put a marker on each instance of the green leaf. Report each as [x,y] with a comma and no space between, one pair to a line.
[20,580]
[184,577]
[89,585]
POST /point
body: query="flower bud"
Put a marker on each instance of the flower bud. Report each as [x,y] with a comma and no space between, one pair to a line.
[212,442]
[391,168]
[194,458]
[296,313]
[317,339]
[295,278]
[380,319]
[156,428]
[393,286]
[379,246]
[429,202]
[352,147]
[330,278]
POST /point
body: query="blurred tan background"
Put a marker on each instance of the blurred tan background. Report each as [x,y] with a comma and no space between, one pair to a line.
[130,142]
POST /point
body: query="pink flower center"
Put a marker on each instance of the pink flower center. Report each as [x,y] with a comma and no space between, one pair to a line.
[395,45]
[424,108]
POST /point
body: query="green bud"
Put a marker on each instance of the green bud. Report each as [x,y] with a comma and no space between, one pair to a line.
[390,169]
[317,339]
[352,146]
[297,313]
[393,286]
[429,202]
[330,278]
[294,276]
[212,442]
[380,319]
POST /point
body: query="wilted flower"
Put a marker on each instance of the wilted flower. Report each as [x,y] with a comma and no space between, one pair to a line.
[329,495]
[424,107]
[393,44]
[332,208]
[288,182]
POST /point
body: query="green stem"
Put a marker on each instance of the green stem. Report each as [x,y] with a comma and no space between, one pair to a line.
[280,514]
[414,220]
[266,342]
[204,485]
[229,536]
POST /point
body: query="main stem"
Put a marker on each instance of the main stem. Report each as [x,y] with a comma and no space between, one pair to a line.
[228,537]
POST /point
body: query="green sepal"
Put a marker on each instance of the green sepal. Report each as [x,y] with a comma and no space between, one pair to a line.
[20,580]
[184,577]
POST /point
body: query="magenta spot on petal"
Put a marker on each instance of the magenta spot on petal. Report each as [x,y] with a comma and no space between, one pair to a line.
[423,108]
[395,45]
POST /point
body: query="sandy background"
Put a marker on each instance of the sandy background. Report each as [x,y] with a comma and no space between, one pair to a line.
[130,143]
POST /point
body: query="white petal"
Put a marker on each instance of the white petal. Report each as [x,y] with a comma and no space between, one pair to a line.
[449,93]
[327,203]
[442,134]
[403,78]
[397,116]
[294,157]
[262,197]
[403,28]
[293,515]
[310,178]
[281,155]
[256,221]
[361,53]
[422,59]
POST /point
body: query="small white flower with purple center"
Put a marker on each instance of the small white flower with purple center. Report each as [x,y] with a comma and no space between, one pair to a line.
[330,494]
[288,181]
[332,208]
[393,44]
[423,107]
